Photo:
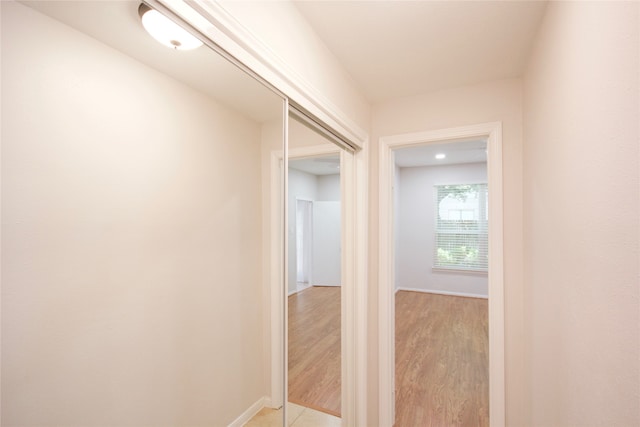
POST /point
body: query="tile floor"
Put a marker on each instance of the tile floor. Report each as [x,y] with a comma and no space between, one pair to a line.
[299,416]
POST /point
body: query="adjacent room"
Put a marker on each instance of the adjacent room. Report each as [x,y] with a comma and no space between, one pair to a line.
[441,265]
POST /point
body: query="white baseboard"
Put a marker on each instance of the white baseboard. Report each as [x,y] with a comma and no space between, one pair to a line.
[299,288]
[454,294]
[302,288]
[249,413]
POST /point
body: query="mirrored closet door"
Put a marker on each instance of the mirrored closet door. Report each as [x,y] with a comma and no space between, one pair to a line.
[137,244]
[315,274]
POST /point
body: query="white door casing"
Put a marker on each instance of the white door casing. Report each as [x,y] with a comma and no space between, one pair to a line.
[386,308]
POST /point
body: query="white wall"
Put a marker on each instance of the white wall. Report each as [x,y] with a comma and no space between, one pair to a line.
[494,101]
[322,188]
[131,250]
[581,165]
[329,188]
[416,233]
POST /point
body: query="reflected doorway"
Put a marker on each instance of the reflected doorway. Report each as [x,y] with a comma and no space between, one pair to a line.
[314,285]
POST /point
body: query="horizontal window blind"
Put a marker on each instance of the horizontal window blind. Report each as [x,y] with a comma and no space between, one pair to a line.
[461,227]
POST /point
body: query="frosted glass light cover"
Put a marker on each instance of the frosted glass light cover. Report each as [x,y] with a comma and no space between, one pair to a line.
[168,32]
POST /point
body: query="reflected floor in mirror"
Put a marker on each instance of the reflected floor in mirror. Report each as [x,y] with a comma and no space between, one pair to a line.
[299,416]
[314,349]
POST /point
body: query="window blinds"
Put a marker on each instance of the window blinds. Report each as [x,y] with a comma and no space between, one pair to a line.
[461,229]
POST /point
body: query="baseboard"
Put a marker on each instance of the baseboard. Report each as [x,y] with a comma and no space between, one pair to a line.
[249,413]
[453,294]
[297,290]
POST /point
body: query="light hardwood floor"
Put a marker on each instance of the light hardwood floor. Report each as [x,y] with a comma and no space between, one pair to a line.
[442,360]
[442,357]
[314,349]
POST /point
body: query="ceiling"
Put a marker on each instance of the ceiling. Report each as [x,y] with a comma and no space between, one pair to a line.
[399,48]
[321,165]
[391,48]
[458,152]
[116,24]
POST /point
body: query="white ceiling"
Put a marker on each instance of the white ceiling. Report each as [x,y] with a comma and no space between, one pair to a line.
[391,48]
[116,24]
[399,48]
[458,152]
[321,165]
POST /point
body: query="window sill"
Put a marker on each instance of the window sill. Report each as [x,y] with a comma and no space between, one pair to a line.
[459,271]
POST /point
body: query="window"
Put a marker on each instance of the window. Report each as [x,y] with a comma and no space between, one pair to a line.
[461,227]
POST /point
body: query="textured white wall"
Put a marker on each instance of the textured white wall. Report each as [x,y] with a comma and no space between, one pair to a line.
[131,250]
[581,116]
[416,234]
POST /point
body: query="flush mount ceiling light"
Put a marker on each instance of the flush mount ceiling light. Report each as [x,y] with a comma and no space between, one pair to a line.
[440,156]
[165,30]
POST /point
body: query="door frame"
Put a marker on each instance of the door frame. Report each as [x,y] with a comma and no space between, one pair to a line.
[386,299]
[310,240]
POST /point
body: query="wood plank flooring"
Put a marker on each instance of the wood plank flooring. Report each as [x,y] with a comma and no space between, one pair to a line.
[314,349]
[442,357]
[442,360]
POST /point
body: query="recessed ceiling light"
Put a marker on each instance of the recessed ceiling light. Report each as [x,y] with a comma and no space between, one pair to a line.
[440,156]
[165,30]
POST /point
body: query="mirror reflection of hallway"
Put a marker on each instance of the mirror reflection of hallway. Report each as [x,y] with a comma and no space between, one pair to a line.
[314,278]
[132,224]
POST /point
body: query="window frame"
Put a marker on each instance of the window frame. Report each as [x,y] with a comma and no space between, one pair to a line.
[481,231]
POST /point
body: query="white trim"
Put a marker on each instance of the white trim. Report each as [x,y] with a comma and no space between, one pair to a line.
[249,413]
[217,24]
[353,175]
[443,270]
[437,292]
[386,309]
[310,273]
[276,281]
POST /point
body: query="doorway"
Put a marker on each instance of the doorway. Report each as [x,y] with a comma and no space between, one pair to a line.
[315,279]
[387,270]
[440,284]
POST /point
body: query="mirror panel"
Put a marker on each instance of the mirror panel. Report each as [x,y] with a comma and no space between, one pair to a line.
[136,255]
[314,277]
